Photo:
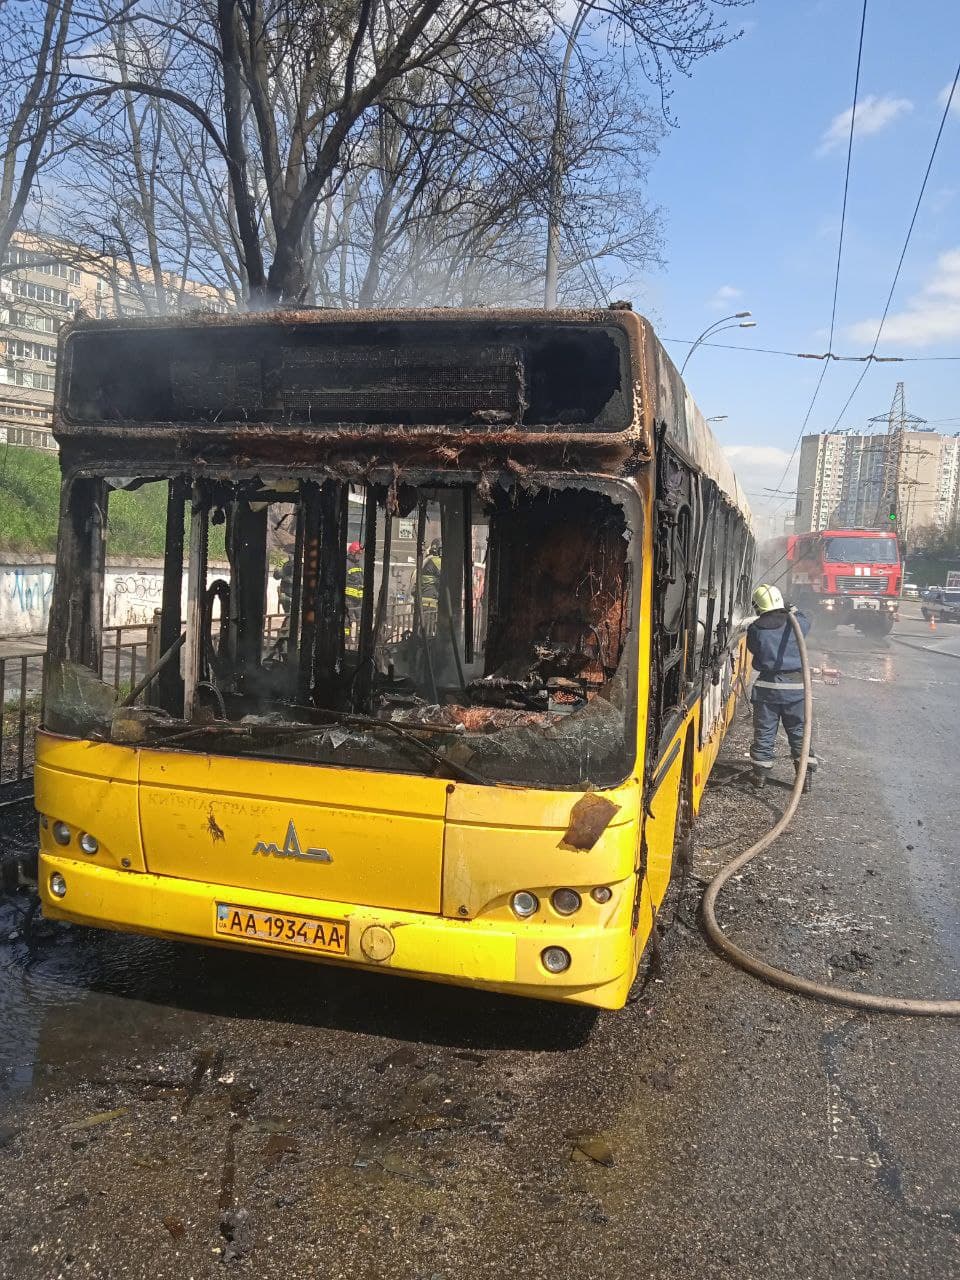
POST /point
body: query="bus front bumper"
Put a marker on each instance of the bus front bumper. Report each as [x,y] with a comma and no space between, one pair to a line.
[497,955]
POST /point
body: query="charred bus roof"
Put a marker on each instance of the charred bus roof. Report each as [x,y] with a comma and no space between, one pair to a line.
[323,369]
[582,389]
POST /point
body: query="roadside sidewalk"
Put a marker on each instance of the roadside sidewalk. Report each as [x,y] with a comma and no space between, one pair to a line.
[14,646]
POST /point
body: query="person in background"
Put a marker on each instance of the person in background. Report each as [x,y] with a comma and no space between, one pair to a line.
[430,585]
[285,589]
[354,591]
[777,694]
[284,574]
[284,540]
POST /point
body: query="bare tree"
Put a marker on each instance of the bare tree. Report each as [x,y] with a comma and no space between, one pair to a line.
[311,120]
[34,40]
[292,83]
[453,208]
[131,190]
[454,154]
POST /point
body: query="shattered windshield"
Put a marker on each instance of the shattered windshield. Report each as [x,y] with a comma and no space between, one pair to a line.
[481,630]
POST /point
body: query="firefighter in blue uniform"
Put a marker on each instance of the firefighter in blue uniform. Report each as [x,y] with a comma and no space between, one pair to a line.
[777,695]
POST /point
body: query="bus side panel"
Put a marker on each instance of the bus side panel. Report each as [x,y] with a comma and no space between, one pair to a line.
[705,755]
[642,917]
[664,811]
[661,826]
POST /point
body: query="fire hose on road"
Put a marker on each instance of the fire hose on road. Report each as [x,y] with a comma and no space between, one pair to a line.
[768,972]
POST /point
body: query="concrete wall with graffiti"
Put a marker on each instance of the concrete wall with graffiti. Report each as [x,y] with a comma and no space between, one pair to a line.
[132,590]
[26,583]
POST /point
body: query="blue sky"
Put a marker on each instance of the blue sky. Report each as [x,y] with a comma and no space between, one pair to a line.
[751,183]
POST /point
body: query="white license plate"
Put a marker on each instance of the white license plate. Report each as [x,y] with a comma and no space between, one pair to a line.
[307,933]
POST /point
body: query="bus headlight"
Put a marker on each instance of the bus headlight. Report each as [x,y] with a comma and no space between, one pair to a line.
[524,904]
[61,833]
[565,901]
[555,959]
[58,886]
[602,893]
[88,843]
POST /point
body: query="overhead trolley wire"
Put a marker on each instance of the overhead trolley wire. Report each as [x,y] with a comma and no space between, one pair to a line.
[843,221]
[812,355]
[906,242]
[872,357]
[588,267]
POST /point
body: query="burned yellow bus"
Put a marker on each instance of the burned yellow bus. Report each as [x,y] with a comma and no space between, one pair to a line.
[515,568]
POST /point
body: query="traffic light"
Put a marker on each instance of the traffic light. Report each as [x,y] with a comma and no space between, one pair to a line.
[892,514]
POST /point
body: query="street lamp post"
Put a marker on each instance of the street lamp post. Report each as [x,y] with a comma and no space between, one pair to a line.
[555,178]
[741,316]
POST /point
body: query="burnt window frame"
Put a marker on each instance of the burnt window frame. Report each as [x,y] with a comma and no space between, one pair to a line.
[718,563]
[83,643]
[675,511]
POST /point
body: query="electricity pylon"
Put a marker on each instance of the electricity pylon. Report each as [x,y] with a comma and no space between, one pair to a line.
[897,422]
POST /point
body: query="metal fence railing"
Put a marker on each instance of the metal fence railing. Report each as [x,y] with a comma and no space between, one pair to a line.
[124,654]
[15,716]
[21,682]
[126,657]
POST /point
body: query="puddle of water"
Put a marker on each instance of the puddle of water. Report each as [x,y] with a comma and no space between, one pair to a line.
[71,997]
[74,1002]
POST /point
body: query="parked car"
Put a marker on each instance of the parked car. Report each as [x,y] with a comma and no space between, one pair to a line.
[909,590]
[941,605]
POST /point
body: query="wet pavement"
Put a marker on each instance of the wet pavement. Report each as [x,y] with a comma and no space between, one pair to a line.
[174,1111]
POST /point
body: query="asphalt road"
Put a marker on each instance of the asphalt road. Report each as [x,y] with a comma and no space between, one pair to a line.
[171,1111]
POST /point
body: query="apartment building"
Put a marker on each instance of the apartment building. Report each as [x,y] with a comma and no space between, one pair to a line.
[842,477]
[45,283]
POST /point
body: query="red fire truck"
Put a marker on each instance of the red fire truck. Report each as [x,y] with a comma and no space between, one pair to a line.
[842,576]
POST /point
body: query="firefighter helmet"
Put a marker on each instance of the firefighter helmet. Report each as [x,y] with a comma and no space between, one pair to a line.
[354,549]
[766,598]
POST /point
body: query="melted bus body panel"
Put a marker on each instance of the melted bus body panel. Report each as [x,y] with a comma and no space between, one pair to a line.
[469,743]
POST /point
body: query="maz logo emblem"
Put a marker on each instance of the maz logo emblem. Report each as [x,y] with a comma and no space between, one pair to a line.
[293,849]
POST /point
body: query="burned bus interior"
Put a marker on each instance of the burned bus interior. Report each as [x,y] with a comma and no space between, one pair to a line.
[359,568]
[447,623]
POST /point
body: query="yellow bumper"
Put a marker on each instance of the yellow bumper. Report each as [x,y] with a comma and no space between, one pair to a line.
[495,955]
